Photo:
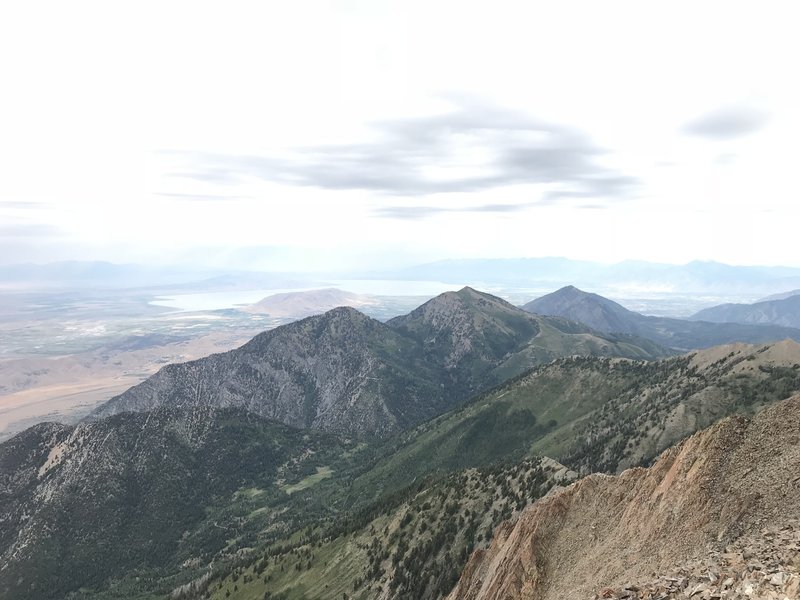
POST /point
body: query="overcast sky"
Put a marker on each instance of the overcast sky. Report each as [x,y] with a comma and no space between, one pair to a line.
[327,135]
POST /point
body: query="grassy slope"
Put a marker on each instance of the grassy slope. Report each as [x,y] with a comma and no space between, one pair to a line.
[594,414]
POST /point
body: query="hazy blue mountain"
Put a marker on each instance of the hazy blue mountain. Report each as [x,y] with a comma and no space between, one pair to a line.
[308,302]
[606,315]
[697,276]
[591,309]
[97,273]
[784,312]
[781,296]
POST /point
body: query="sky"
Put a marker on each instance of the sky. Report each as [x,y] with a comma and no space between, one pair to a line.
[337,135]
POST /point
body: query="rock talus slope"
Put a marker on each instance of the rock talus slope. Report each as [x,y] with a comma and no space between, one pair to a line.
[602,533]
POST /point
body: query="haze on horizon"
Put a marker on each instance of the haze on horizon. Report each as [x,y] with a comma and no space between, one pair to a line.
[330,135]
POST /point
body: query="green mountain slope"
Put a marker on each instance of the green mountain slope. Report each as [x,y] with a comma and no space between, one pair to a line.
[591,413]
[144,493]
[410,546]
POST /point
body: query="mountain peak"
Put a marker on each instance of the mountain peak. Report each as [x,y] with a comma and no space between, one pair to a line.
[341,318]
[470,291]
[571,290]
[348,312]
[449,304]
[591,309]
[570,293]
[602,314]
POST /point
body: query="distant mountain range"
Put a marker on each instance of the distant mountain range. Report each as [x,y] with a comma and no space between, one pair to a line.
[627,278]
[781,296]
[345,372]
[310,302]
[608,316]
[631,276]
[70,273]
[785,312]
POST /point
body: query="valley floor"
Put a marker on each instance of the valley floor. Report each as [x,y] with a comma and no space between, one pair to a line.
[66,388]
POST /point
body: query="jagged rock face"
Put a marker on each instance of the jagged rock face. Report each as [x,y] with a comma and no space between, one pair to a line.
[731,479]
[347,373]
[341,372]
[80,503]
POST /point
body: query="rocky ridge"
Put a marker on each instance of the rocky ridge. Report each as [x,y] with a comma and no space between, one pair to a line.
[347,373]
[719,488]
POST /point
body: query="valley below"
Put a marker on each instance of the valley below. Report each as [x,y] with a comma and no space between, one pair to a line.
[63,353]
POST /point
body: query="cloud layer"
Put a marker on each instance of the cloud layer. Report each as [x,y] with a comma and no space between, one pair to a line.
[474,147]
[727,123]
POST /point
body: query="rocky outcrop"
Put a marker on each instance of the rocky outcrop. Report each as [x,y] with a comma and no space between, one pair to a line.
[602,533]
[340,372]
